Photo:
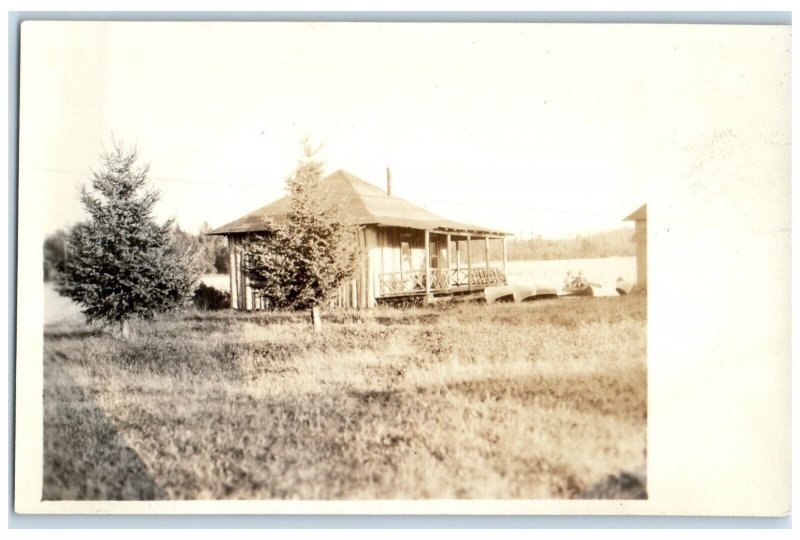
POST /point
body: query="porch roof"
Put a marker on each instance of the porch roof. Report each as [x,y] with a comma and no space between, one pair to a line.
[365,203]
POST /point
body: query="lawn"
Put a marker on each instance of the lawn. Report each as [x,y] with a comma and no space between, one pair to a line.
[538,400]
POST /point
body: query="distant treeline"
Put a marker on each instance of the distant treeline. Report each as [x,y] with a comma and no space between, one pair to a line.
[617,243]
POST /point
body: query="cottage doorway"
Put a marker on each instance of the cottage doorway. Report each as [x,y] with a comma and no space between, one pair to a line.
[438,260]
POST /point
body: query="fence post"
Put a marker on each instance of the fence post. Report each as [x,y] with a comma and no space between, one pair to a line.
[316,320]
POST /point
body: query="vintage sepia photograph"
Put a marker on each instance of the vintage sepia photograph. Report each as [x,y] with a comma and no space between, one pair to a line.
[360,261]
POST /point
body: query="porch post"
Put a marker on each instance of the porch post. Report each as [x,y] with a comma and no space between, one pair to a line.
[486,241]
[427,266]
[447,284]
[469,262]
[381,240]
[458,259]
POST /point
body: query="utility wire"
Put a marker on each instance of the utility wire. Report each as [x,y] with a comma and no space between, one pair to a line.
[282,191]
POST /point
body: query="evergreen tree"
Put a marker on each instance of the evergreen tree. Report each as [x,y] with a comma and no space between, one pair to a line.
[121,263]
[299,263]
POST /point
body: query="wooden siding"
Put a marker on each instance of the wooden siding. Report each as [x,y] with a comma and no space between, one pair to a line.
[640,237]
[359,292]
[241,292]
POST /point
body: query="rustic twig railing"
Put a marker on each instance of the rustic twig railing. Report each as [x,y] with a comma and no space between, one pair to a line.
[442,280]
[488,276]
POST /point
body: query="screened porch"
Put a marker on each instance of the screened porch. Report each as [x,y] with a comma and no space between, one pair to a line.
[435,263]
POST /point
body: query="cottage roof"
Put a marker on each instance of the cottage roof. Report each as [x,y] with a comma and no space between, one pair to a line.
[639,215]
[365,203]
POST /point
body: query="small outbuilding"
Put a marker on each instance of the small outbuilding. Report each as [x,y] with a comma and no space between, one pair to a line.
[640,237]
[409,252]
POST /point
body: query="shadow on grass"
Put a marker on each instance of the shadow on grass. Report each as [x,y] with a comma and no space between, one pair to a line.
[73,333]
[426,318]
[622,486]
[85,458]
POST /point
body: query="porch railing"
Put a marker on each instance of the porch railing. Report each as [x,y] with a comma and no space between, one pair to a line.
[397,283]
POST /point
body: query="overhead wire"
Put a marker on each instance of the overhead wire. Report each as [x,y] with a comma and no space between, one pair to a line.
[281,190]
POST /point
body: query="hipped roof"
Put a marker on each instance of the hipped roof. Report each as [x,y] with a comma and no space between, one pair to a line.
[363,202]
[639,215]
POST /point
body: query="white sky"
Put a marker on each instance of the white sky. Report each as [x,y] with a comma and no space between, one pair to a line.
[533,129]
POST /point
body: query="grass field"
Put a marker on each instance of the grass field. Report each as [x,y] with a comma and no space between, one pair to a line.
[539,400]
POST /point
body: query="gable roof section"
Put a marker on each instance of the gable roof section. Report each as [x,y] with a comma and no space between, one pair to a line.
[365,203]
[639,215]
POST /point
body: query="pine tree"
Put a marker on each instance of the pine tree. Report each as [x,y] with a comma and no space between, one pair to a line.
[121,263]
[299,263]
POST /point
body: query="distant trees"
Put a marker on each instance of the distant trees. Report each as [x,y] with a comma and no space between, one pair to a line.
[299,263]
[215,250]
[615,243]
[55,249]
[185,242]
[121,263]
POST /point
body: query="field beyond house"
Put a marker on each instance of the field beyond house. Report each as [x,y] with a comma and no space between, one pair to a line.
[537,400]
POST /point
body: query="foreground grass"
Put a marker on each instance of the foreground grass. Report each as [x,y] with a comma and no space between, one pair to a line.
[536,400]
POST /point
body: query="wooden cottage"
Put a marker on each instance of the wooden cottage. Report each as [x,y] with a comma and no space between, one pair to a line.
[640,237]
[408,251]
